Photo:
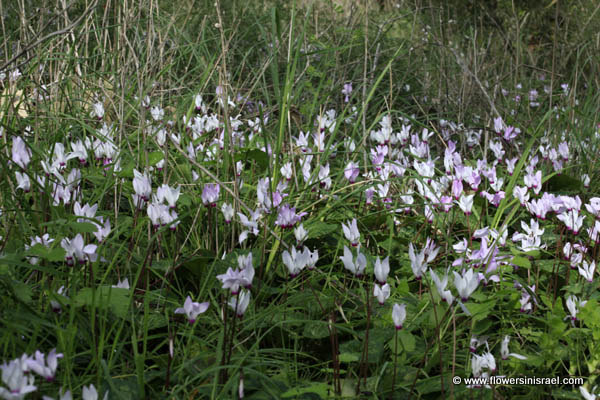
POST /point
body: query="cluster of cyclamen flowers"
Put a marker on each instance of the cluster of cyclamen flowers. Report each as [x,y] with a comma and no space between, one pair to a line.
[64,185]
[161,210]
[239,282]
[484,365]
[19,376]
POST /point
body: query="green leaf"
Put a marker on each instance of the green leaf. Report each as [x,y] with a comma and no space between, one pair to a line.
[41,251]
[155,157]
[406,340]
[349,357]
[83,227]
[564,183]
[22,291]
[319,229]
[105,297]
[590,314]
[521,262]
[480,311]
[323,390]
[316,330]
[260,157]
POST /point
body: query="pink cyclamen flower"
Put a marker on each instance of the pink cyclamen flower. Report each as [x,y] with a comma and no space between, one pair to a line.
[18,381]
[142,186]
[287,216]
[192,309]
[356,266]
[466,284]
[21,154]
[351,232]
[346,92]
[399,315]
[351,171]
[45,368]
[381,292]
[382,269]
[465,203]
[240,303]
[210,194]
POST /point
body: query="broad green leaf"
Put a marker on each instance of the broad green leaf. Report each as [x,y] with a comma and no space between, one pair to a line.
[105,297]
[323,390]
[406,340]
[53,255]
[349,357]
[480,311]
[521,262]
[316,330]
[155,157]
[83,227]
[319,229]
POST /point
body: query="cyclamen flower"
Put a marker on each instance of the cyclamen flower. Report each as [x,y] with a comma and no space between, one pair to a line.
[45,368]
[54,304]
[192,309]
[286,171]
[312,258]
[594,207]
[466,203]
[124,284]
[587,270]
[19,383]
[417,261]
[21,154]
[457,188]
[351,171]
[239,307]
[351,232]
[97,110]
[346,92]
[573,305]
[210,194]
[534,181]
[23,181]
[466,284]
[301,234]
[324,178]
[227,211]
[504,352]
[526,298]
[75,248]
[287,216]
[90,393]
[295,261]
[381,292]
[446,295]
[594,232]
[399,315]
[250,223]
[142,186]
[382,269]
[168,194]
[445,203]
[44,240]
[521,194]
[356,266]
[572,220]
[233,279]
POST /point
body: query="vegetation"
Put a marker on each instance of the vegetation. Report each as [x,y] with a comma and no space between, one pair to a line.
[297,200]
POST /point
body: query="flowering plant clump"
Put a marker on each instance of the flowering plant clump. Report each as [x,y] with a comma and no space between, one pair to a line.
[244,214]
